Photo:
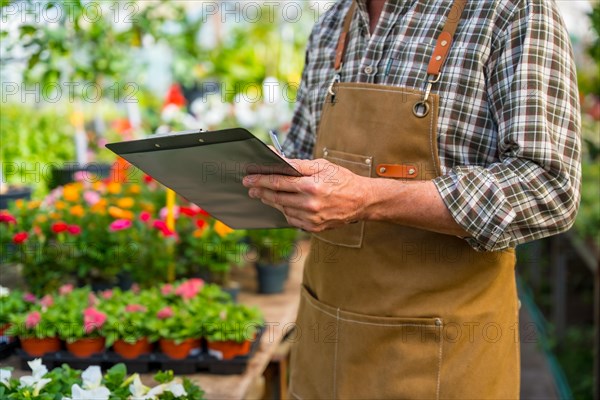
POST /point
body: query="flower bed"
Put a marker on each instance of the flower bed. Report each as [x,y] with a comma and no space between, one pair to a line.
[66,383]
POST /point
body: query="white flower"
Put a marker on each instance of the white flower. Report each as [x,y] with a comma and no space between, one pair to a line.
[5,375]
[78,393]
[176,388]
[92,377]
[137,388]
[4,292]
[35,381]
[244,110]
[171,113]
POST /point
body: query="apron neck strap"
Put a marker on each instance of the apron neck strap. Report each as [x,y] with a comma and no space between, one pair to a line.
[442,46]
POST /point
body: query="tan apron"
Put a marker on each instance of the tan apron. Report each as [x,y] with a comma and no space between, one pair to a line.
[393,312]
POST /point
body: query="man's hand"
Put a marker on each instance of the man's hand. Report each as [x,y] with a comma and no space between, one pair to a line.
[327,196]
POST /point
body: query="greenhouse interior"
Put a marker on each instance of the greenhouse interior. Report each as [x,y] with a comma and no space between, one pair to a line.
[165,236]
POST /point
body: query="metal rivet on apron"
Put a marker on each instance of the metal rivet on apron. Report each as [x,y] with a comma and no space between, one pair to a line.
[382,170]
[368,161]
[438,58]
[368,70]
[157,145]
[421,109]
[444,43]
[325,152]
[438,322]
[411,171]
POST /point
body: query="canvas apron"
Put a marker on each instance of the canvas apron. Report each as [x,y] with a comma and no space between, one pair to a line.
[394,312]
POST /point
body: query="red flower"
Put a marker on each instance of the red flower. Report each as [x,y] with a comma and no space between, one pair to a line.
[145,216]
[175,96]
[74,230]
[200,223]
[187,211]
[162,226]
[166,289]
[7,218]
[190,288]
[20,237]
[148,178]
[122,126]
[59,227]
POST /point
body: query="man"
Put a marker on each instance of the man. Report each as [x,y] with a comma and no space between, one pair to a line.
[443,133]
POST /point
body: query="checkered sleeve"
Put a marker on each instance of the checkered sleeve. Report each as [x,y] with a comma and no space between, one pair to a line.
[532,191]
[299,139]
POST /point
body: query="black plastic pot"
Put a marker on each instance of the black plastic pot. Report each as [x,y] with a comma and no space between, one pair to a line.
[14,193]
[271,278]
[66,174]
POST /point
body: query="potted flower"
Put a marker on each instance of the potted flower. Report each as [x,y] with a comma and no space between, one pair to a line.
[11,303]
[232,329]
[274,248]
[178,332]
[38,329]
[82,322]
[126,328]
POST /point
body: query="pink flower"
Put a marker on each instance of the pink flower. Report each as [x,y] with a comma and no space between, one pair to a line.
[7,218]
[135,288]
[74,230]
[92,299]
[164,211]
[190,288]
[131,308]
[33,319]
[145,216]
[65,289]
[47,301]
[91,197]
[164,313]
[119,225]
[166,289]
[106,294]
[29,298]
[162,226]
[80,176]
[93,320]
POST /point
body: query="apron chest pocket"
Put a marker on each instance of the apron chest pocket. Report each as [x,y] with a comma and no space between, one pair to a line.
[350,235]
[364,356]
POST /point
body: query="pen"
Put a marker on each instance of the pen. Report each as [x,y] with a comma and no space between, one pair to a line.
[276,144]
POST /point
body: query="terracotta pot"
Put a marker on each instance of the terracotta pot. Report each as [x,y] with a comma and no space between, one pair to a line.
[38,347]
[132,350]
[3,329]
[83,348]
[230,349]
[177,351]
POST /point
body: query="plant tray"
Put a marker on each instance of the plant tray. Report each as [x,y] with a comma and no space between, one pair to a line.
[202,362]
[7,346]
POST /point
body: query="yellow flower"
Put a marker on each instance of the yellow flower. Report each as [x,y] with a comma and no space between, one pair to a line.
[147,207]
[77,211]
[60,205]
[20,204]
[222,229]
[114,188]
[135,189]
[71,192]
[41,218]
[125,202]
[33,204]
[54,215]
[98,186]
[99,207]
[119,213]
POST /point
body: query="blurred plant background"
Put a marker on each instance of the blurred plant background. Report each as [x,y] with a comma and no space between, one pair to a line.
[77,74]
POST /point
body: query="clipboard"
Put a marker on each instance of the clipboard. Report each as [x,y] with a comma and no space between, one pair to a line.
[207,168]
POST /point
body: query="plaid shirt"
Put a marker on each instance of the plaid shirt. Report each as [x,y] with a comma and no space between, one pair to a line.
[509,120]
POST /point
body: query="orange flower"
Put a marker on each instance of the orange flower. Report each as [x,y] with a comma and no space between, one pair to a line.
[98,186]
[71,192]
[60,205]
[54,215]
[135,189]
[125,202]
[41,218]
[119,213]
[99,207]
[20,204]
[147,207]
[114,188]
[222,229]
[198,233]
[77,211]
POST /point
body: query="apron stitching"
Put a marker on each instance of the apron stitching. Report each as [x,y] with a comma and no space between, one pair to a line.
[415,94]
[439,374]
[338,318]
[337,340]
[431,133]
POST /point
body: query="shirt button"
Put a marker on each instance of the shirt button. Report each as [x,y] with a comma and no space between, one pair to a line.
[368,70]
